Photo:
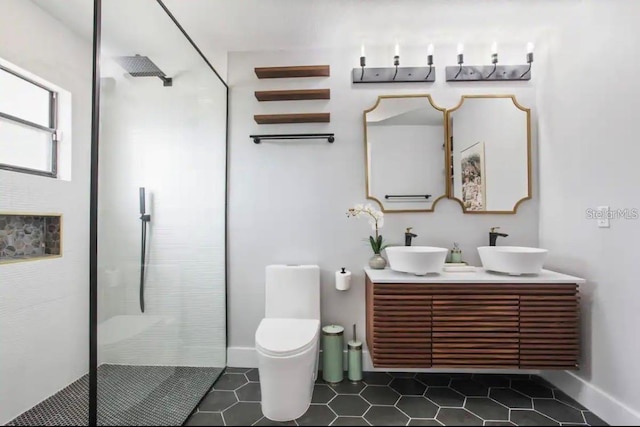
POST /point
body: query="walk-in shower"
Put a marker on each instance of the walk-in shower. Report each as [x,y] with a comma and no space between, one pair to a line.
[160,280]
[157,303]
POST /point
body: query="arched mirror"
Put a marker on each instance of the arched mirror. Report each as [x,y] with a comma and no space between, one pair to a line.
[489,152]
[405,142]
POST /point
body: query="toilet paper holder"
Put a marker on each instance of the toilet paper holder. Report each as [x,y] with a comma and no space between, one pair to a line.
[343,279]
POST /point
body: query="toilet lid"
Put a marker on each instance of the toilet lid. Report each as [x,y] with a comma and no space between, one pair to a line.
[281,337]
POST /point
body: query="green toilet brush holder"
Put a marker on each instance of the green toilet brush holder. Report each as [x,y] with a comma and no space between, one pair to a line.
[355,358]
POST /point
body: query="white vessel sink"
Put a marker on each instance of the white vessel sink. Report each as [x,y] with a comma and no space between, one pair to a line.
[514,260]
[418,260]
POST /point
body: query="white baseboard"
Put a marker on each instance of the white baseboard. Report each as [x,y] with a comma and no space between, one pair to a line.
[595,399]
[242,357]
[246,357]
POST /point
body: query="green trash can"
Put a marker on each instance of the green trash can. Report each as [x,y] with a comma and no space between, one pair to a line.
[332,353]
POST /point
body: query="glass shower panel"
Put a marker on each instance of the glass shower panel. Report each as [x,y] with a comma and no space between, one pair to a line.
[161,231]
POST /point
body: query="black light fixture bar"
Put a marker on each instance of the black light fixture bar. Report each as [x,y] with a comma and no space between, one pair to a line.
[395,74]
[257,139]
[386,75]
[476,73]
[494,72]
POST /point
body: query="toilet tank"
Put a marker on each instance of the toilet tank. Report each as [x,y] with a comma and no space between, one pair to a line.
[292,292]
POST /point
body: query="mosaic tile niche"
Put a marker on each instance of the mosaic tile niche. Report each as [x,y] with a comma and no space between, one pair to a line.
[24,237]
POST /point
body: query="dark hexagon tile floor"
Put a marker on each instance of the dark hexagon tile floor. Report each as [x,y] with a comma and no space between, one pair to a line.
[401,398]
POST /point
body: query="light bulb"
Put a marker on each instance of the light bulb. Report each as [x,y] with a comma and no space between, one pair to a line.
[362,51]
[430,49]
[397,50]
[494,48]
[530,47]
[460,48]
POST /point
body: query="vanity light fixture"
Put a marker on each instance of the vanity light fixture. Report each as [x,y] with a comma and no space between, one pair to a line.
[396,60]
[396,74]
[363,61]
[429,60]
[530,48]
[460,59]
[494,72]
[494,59]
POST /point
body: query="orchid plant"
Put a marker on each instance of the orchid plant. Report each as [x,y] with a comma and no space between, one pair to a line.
[376,221]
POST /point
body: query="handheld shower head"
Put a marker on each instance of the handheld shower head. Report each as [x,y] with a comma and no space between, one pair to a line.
[145,218]
[142,201]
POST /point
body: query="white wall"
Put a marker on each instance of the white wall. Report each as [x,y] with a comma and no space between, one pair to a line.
[589,100]
[584,106]
[406,160]
[288,200]
[502,127]
[44,327]
[171,140]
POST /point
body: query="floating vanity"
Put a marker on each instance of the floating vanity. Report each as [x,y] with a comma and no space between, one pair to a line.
[473,320]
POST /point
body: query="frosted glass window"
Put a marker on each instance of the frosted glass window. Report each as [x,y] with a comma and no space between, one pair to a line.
[23,147]
[27,125]
[25,100]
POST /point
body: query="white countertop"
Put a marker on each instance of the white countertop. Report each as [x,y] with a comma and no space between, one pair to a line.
[479,276]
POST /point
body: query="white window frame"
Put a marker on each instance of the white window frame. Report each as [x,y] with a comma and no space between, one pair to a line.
[52,129]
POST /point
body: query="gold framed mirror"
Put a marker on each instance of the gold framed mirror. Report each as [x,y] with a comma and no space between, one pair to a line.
[489,154]
[405,140]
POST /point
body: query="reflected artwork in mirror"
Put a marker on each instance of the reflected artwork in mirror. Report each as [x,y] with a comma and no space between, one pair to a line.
[489,153]
[405,139]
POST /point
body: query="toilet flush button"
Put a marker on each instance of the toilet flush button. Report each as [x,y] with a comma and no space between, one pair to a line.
[603,216]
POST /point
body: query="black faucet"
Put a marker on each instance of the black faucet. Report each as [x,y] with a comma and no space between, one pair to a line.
[493,235]
[408,235]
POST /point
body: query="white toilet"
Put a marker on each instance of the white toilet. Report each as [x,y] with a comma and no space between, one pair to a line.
[287,340]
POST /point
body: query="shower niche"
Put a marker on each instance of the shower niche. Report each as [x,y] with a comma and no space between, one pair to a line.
[26,237]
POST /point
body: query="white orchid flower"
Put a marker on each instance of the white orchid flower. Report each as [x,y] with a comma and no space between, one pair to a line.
[376,221]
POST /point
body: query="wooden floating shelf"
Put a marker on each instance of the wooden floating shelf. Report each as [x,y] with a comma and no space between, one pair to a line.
[289,72]
[269,119]
[293,95]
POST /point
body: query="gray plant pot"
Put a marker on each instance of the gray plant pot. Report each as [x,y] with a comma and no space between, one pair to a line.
[377,262]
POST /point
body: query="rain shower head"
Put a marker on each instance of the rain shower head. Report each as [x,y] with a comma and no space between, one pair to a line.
[142,66]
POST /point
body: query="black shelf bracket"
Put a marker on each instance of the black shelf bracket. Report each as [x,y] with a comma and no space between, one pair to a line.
[257,139]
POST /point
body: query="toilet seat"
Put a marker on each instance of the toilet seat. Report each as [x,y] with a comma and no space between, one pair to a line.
[286,337]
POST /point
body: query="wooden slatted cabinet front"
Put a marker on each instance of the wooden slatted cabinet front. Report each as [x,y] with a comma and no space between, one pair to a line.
[484,325]
[475,331]
[399,325]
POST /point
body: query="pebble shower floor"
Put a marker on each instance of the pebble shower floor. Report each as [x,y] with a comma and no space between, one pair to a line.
[127,395]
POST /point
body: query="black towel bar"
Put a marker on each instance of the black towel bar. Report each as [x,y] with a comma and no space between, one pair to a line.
[330,137]
[414,196]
